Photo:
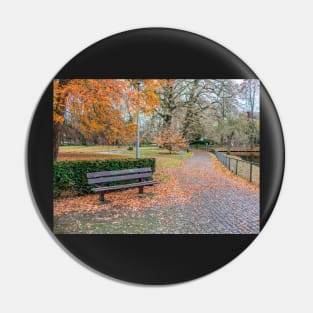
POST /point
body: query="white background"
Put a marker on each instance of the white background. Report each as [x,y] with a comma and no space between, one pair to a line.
[274,38]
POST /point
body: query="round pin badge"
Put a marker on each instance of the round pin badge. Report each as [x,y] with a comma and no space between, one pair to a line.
[155,156]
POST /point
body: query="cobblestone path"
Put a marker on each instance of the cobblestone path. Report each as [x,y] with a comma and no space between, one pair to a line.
[217,205]
[222,208]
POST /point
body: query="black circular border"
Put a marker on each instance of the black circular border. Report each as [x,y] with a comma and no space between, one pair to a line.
[154,53]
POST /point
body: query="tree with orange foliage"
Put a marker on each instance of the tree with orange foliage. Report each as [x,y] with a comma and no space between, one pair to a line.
[101,110]
[171,139]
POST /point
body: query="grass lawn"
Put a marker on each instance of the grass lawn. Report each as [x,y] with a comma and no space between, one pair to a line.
[163,158]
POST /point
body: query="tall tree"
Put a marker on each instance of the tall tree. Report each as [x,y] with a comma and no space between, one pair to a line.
[170,96]
[223,98]
[250,94]
[60,97]
[99,110]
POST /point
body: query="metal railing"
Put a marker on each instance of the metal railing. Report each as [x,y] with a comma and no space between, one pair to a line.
[242,168]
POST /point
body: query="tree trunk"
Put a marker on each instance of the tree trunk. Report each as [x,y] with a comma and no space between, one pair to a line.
[228,146]
[56,140]
[167,121]
[229,141]
[222,140]
[57,126]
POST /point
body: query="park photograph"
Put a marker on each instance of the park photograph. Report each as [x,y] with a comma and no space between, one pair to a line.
[156,156]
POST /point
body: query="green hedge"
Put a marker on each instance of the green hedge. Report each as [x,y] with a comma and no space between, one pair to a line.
[71,175]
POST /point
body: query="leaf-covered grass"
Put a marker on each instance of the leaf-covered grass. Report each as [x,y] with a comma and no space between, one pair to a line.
[86,148]
[168,162]
[163,157]
[78,156]
[116,149]
[162,177]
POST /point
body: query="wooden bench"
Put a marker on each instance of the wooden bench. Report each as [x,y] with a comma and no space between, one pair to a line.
[139,174]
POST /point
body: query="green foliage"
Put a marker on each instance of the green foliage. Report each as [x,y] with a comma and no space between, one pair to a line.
[72,175]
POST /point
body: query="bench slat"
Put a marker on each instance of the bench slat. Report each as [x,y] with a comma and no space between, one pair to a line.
[118,178]
[117,187]
[119,172]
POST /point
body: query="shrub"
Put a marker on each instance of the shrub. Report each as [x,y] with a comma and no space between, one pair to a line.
[71,175]
[171,140]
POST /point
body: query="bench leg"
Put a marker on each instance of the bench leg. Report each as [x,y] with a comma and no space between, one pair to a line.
[101,196]
[141,188]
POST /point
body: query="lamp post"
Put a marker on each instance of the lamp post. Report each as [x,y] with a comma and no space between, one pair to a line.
[138,121]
